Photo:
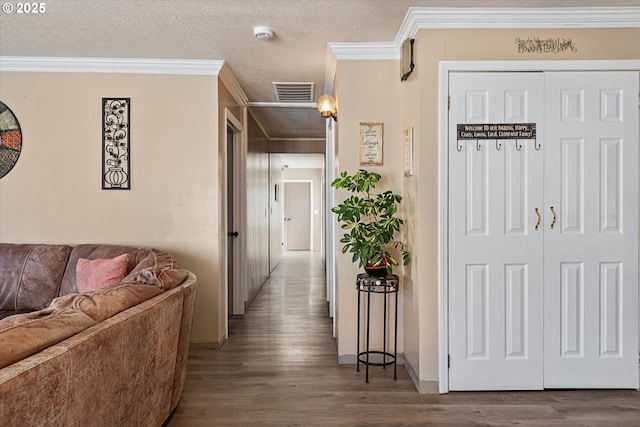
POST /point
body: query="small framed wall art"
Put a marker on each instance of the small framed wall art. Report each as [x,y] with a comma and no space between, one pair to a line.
[116,167]
[408,151]
[371,143]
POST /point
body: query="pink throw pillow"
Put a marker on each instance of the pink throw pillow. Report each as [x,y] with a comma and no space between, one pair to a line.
[94,274]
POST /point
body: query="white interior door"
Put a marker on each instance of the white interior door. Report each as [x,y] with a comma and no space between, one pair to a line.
[591,253]
[577,273]
[297,216]
[495,261]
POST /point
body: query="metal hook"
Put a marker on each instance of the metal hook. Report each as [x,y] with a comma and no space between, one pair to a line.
[458,146]
[478,145]
[518,147]
[536,145]
[498,145]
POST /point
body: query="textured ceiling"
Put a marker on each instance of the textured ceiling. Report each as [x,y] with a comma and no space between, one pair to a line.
[223,30]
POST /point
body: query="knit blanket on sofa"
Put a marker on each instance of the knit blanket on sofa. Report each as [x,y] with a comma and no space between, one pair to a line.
[23,335]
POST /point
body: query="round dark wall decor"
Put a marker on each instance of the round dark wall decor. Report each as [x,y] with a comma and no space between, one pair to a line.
[10,139]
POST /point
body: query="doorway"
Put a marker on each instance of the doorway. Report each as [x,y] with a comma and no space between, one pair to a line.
[232,296]
[297,216]
[542,231]
[232,232]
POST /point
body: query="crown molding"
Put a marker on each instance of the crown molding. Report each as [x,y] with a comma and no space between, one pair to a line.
[419,18]
[231,83]
[127,66]
[365,50]
[110,65]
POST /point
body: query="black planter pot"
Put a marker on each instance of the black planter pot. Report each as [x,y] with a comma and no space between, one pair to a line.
[376,271]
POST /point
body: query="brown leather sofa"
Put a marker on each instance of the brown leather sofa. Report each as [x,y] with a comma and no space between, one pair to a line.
[115,356]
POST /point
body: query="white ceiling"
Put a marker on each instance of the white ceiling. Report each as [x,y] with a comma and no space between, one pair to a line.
[223,30]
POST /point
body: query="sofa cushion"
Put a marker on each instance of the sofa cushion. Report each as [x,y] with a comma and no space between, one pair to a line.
[23,335]
[98,273]
[30,275]
[92,251]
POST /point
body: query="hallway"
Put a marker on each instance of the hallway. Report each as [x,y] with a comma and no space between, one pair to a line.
[279,368]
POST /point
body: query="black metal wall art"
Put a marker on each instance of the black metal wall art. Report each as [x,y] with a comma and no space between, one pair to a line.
[549,45]
[406,60]
[116,171]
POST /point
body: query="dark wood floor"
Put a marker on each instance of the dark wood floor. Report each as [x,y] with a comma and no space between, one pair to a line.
[279,368]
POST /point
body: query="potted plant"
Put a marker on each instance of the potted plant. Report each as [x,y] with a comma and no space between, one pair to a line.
[370,222]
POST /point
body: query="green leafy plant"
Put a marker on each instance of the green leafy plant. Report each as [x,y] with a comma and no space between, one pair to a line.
[369,220]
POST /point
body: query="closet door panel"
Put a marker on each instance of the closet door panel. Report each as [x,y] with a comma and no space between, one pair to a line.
[591,253]
[495,264]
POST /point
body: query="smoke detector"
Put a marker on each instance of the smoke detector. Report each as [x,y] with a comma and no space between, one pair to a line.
[263,33]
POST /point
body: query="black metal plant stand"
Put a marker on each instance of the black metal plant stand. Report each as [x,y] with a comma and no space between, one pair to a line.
[378,285]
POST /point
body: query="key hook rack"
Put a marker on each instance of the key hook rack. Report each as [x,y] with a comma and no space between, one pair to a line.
[518,144]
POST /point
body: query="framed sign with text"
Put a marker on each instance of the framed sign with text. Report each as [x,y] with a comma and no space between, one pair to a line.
[371,143]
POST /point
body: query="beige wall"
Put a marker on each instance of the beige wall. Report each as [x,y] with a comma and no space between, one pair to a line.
[416,307]
[53,195]
[371,91]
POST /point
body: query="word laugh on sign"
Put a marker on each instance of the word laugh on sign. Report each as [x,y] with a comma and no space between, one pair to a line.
[497,131]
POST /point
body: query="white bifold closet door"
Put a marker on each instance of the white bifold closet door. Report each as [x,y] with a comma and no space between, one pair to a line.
[543,239]
[591,254]
[495,255]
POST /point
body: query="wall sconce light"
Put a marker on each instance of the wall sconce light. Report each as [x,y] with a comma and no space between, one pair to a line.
[327,107]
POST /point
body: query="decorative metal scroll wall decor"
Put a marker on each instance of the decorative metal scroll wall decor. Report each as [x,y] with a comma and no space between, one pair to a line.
[10,140]
[406,60]
[550,45]
[116,172]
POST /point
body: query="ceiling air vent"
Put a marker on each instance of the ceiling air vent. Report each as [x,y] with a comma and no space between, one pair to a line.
[298,92]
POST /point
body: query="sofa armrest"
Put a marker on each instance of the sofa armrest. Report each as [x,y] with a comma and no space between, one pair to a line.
[188,289]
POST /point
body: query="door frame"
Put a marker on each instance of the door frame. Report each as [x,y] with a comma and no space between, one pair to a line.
[330,220]
[239,207]
[447,67]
